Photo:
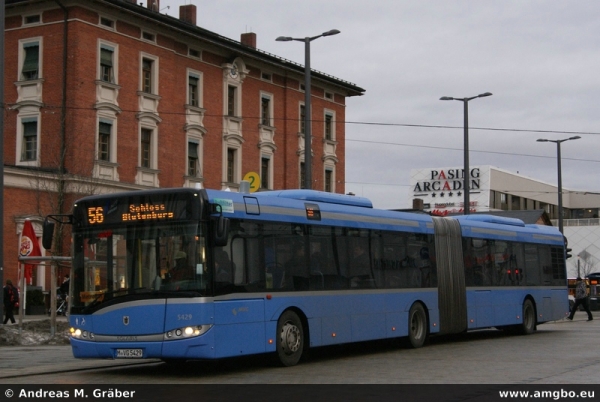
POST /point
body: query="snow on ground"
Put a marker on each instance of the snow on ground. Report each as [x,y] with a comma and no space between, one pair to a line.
[36,332]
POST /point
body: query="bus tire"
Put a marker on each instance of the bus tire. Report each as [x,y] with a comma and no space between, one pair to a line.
[290,339]
[417,325]
[529,321]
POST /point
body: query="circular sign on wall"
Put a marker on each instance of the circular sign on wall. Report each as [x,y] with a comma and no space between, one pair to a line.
[254,179]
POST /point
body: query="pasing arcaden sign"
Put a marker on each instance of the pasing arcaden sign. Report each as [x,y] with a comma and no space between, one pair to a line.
[447,180]
[442,190]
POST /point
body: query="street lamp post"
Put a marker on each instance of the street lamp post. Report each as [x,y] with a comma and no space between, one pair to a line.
[558,157]
[307,109]
[466,173]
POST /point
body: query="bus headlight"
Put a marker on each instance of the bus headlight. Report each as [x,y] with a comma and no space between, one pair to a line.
[79,334]
[186,332]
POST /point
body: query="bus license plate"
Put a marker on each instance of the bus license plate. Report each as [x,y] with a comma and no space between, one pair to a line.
[129,353]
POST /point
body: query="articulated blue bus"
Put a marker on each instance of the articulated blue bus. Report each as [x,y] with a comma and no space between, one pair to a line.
[180,274]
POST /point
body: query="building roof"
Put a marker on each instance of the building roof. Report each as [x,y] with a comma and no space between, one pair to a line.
[194,31]
[536,216]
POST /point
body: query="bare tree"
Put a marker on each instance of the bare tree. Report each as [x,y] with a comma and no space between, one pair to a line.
[586,263]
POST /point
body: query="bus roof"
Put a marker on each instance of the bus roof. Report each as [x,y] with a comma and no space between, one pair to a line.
[358,212]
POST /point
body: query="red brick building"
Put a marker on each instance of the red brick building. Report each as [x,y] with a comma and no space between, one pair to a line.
[110,95]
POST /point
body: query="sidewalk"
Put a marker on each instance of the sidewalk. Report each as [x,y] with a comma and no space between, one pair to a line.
[17,361]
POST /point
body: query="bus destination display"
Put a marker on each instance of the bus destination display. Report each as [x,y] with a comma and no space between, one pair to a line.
[128,211]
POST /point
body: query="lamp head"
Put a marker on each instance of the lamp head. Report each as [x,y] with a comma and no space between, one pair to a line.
[483,95]
[446,98]
[542,140]
[284,39]
[331,32]
[575,138]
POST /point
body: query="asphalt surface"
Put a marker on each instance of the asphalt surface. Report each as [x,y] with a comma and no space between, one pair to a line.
[561,352]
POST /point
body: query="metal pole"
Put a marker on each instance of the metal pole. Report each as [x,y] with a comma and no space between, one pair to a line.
[466,174]
[559,169]
[2,112]
[560,195]
[466,168]
[307,118]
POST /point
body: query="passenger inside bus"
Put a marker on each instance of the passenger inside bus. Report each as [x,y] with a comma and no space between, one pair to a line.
[296,268]
[359,267]
[181,269]
[224,268]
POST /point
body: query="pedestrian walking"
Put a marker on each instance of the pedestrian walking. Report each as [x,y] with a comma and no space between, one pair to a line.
[581,298]
[11,301]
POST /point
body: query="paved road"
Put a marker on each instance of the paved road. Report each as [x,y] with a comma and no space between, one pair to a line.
[563,352]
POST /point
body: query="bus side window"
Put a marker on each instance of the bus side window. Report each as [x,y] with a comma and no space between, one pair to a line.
[532,265]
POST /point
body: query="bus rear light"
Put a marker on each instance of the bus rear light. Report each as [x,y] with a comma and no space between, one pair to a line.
[393,328]
[333,335]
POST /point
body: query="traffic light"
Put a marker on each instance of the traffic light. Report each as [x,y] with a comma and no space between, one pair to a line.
[567,249]
[568,253]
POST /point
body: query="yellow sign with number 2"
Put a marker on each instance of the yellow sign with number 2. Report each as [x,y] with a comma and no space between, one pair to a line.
[254,180]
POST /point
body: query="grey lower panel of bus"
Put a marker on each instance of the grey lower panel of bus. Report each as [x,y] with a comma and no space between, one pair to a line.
[452,295]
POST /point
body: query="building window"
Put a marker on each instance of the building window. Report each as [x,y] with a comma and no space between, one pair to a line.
[265,165]
[329,180]
[503,201]
[302,175]
[329,126]
[515,203]
[30,140]
[104,135]
[32,19]
[107,22]
[147,75]
[302,118]
[265,110]
[106,63]
[193,159]
[193,90]
[194,53]
[231,155]
[31,63]
[231,101]
[146,148]
[148,36]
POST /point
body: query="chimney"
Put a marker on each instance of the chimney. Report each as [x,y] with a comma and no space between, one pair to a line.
[154,5]
[187,14]
[417,204]
[249,39]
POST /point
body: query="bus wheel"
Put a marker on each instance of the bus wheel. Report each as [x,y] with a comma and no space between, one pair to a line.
[529,321]
[290,339]
[417,325]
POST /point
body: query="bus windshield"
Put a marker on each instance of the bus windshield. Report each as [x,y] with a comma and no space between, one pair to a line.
[138,262]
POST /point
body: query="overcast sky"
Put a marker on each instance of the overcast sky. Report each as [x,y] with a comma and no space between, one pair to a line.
[540,59]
